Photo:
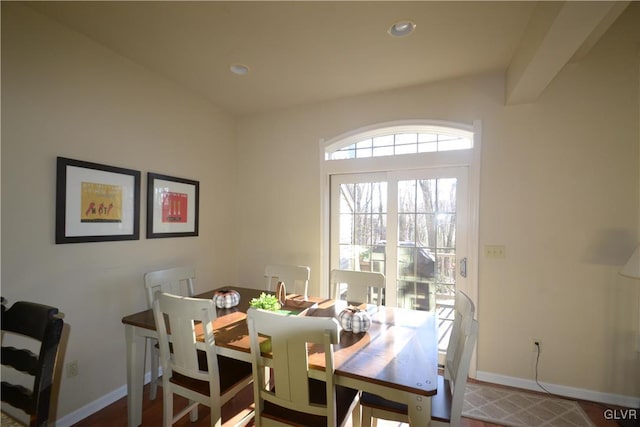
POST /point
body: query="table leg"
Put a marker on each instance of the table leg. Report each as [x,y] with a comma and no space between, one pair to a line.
[420,411]
[135,375]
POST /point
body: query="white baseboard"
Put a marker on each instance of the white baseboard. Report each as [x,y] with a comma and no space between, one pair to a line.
[575,393]
[98,404]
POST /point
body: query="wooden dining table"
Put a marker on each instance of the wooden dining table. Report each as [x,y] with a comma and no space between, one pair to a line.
[395,358]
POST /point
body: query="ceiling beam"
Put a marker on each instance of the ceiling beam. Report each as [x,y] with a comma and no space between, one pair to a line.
[557,33]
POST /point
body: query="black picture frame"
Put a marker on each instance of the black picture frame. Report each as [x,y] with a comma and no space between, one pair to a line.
[96,202]
[173,206]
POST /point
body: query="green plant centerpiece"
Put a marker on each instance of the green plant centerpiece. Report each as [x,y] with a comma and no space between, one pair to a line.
[266,302]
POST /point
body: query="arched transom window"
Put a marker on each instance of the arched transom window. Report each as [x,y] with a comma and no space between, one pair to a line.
[401,140]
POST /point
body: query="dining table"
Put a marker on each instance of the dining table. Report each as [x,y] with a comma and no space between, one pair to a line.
[395,358]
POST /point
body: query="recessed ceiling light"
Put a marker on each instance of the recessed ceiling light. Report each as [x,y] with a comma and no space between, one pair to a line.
[402,28]
[239,69]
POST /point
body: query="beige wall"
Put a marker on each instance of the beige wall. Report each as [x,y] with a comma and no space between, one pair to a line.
[63,95]
[559,188]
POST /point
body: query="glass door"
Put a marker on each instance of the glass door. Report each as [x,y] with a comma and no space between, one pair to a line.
[406,225]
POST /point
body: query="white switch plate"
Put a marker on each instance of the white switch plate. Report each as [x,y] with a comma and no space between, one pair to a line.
[495,251]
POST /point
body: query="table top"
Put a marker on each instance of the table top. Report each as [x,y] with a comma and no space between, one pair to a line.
[398,351]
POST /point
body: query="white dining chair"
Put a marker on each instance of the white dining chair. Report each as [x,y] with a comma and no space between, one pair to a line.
[357,286]
[446,405]
[177,281]
[284,392]
[192,368]
[295,277]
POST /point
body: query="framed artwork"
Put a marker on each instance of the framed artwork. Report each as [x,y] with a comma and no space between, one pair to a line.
[172,206]
[96,203]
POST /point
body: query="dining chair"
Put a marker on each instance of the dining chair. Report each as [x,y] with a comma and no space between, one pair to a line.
[177,281]
[284,392]
[295,278]
[446,405]
[357,286]
[44,324]
[192,368]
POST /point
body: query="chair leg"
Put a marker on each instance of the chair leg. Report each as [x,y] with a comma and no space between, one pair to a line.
[155,370]
[167,402]
[193,415]
[216,416]
[356,418]
[366,416]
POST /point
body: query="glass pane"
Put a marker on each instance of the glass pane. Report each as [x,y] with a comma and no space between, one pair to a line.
[427,137]
[365,258]
[379,197]
[378,259]
[446,231]
[364,144]
[383,151]
[454,144]
[406,229]
[426,195]
[406,256]
[406,149]
[446,268]
[347,195]
[347,257]
[363,198]
[406,196]
[383,141]
[447,195]
[406,138]
[426,230]
[362,229]
[379,229]
[346,229]
[425,265]
[414,295]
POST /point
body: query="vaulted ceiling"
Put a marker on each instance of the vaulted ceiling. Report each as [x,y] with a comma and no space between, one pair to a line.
[301,52]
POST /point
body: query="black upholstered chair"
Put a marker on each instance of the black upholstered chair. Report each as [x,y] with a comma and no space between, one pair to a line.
[44,324]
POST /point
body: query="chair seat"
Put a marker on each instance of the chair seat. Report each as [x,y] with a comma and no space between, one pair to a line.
[440,402]
[235,371]
[318,394]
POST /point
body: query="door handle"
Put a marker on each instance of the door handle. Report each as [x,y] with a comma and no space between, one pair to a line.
[463,267]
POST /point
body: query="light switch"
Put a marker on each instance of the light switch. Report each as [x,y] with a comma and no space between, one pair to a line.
[494,251]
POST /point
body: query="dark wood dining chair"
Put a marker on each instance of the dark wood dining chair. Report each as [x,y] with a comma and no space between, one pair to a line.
[285,394]
[446,405]
[44,324]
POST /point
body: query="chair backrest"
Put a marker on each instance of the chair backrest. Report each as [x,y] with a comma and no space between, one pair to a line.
[360,285]
[457,363]
[44,324]
[288,359]
[295,277]
[188,318]
[464,312]
[176,281]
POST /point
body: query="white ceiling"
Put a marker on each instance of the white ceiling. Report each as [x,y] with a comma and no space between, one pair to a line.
[305,52]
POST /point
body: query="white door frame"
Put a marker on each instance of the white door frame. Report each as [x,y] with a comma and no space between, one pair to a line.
[469,158]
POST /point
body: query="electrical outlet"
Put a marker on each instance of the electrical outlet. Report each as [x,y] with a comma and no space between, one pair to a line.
[72,369]
[495,251]
[536,345]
